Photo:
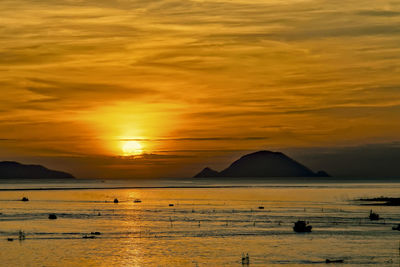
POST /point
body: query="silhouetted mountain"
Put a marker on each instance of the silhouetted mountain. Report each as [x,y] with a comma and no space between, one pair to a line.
[15,170]
[263,164]
[207,172]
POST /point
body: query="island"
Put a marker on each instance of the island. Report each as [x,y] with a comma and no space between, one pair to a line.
[15,170]
[263,164]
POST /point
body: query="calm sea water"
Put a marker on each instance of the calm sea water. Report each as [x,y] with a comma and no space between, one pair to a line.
[209,226]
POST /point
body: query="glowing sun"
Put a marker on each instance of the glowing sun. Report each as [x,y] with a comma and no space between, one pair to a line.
[132,148]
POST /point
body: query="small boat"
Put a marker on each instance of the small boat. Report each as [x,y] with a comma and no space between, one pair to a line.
[302,227]
[373,216]
[95,233]
[260,207]
[137,201]
[116,200]
[171,205]
[25,199]
[10,239]
[52,216]
[396,227]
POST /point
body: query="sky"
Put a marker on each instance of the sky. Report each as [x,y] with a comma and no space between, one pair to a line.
[163,88]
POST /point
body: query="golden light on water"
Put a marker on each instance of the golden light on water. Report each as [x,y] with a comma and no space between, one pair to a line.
[132,148]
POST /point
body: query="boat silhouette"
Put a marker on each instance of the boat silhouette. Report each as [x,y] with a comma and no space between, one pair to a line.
[373,216]
[302,227]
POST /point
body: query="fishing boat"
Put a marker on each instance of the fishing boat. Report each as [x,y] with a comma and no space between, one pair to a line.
[302,227]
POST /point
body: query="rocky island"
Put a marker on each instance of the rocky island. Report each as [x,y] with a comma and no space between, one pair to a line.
[15,170]
[263,164]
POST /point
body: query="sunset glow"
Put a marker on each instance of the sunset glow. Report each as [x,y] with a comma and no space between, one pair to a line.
[132,148]
[200,79]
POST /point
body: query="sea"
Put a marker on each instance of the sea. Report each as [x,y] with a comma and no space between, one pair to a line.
[195,223]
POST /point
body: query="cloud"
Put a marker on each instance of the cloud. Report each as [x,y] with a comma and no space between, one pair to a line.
[246,138]
[198,77]
[379,13]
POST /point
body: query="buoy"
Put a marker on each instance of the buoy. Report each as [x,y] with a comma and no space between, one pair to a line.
[21,235]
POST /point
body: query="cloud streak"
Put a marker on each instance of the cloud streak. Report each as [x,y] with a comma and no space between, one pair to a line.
[81,77]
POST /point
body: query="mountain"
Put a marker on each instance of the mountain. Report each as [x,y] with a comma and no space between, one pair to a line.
[207,172]
[263,164]
[15,170]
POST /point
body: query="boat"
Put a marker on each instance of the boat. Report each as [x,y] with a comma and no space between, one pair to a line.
[396,227]
[95,233]
[52,216]
[25,199]
[373,216]
[116,200]
[137,201]
[302,227]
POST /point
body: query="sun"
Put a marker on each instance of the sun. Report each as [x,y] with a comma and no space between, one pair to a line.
[132,148]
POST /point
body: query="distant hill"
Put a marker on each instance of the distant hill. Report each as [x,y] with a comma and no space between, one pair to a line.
[207,172]
[263,164]
[15,170]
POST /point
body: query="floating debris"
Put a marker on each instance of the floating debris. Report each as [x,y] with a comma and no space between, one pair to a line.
[373,216]
[116,200]
[333,261]
[25,199]
[52,216]
[302,227]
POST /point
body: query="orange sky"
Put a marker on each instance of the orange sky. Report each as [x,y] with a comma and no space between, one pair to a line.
[194,82]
